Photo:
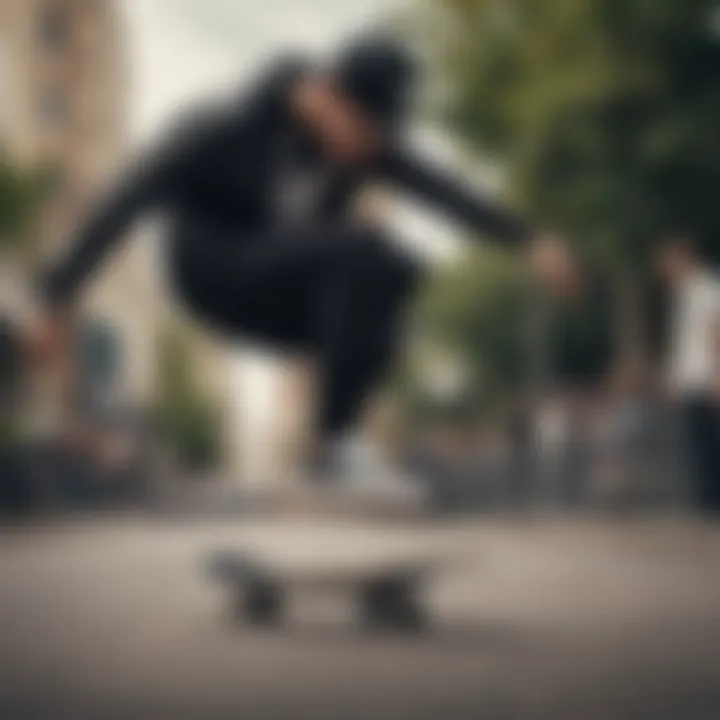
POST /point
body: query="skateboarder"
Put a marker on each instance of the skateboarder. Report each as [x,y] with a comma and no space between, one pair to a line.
[262,240]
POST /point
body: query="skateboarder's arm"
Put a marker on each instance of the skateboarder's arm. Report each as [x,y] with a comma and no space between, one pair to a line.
[458,200]
[150,181]
[137,190]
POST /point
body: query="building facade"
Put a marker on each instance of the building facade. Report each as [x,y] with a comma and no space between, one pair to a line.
[63,99]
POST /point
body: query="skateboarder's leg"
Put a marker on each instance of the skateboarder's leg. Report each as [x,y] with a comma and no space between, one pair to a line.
[337,292]
[360,327]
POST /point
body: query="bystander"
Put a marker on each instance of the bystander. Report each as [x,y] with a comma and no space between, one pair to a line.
[694,367]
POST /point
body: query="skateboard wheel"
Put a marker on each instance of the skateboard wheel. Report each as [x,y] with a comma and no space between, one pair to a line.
[393,605]
[261,604]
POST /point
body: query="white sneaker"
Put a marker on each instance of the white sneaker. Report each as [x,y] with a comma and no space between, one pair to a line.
[362,476]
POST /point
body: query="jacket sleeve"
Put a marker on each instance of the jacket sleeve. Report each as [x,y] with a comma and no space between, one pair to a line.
[139,188]
[147,183]
[453,197]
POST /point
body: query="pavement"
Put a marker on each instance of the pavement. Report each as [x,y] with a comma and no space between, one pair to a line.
[585,619]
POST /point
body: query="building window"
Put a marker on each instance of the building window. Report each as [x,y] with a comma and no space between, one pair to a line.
[52,109]
[54,28]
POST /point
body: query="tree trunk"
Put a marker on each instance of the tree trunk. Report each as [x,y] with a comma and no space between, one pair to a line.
[631,332]
[539,385]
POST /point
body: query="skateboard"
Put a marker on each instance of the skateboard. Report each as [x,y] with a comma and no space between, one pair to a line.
[387,592]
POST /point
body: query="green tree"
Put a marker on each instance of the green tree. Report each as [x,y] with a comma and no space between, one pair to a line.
[21,193]
[480,310]
[603,112]
[474,310]
[188,421]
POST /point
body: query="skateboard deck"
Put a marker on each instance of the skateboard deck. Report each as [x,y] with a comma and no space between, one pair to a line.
[388,591]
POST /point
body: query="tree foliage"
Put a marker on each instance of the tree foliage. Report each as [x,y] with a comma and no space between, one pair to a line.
[475,310]
[20,194]
[480,311]
[603,115]
[605,112]
[188,421]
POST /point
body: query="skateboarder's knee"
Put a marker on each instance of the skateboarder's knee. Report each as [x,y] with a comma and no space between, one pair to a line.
[373,255]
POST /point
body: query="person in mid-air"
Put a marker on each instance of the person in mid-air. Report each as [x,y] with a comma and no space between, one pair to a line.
[263,243]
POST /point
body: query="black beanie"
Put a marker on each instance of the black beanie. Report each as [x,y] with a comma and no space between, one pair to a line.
[378,73]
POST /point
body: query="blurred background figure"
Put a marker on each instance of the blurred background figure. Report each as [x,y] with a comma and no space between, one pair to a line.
[693,374]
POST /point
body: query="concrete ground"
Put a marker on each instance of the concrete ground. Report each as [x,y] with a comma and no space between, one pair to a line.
[564,620]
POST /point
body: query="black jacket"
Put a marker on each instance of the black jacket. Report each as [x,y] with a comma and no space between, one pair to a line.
[218,170]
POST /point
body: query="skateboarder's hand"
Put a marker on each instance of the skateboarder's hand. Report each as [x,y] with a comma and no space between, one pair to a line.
[49,336]
[346,134]
[553,264]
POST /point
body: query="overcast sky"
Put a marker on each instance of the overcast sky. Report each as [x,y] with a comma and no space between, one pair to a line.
[182,49]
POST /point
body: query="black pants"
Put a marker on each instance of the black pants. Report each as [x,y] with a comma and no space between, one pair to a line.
[701,426]
[335,292]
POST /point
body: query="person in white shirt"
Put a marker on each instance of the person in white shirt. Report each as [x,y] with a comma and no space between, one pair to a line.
[694,368]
